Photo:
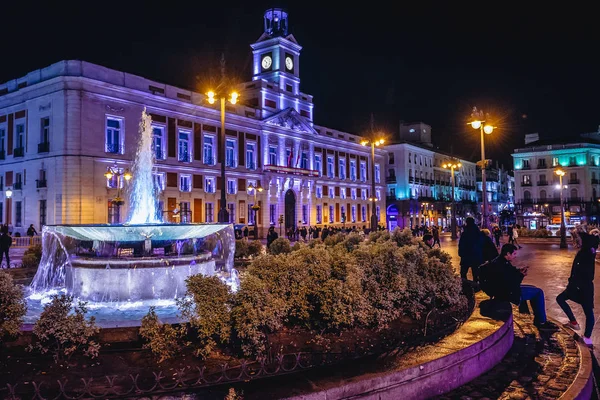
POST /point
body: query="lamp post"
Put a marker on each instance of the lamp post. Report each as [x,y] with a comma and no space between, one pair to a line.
[479,122]
[255,207]
[563,231]
[8,193]
[373,143]
[115,171]
[452,165]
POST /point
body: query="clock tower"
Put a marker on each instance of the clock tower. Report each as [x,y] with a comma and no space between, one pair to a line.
[276,56]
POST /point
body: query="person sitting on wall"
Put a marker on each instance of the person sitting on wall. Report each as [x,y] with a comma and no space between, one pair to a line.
[428,240]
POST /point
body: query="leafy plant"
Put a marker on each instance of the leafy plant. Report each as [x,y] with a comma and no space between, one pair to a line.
[241,249]
[164,340]
[255,248]
[32,256]
[12,306]
[280,246]
[63,333]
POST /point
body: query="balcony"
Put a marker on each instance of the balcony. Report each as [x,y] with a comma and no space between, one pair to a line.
[525,183]
[113,148]
[230,163]
[291,170]
[2,155]
[18,186]
[185,188]
[44,147]
[573,181]
[19,152]
[594,181]
[158,154]
[40,183]
[209,161]
[251,165]
[525,167]
[542,183]
[390,179]
[542,166]
[184,157]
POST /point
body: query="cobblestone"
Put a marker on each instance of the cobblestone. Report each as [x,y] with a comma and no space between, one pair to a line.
[540,365]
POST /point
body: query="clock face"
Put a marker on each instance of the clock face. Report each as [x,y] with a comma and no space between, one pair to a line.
[266,62]
[289,63]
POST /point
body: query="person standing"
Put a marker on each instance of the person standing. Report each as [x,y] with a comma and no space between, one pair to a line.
[271,236]
[488,250]
[497,232]
[580,288]
[246,233]
[31,231]
[470,249]
[5,243]
[435,231]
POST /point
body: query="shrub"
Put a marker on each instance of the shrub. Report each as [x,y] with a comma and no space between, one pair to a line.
[404,237]
[280,246]
[164,340]
[241,249]
[12,306]
[62,333]
[297,246]
[352,241]
[207,305]
[332,240]
[255,248]
[32,256]
[378,236]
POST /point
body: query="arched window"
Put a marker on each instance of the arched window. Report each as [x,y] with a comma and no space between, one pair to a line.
[527,195]
[542,195]
[573,193]
[410,173]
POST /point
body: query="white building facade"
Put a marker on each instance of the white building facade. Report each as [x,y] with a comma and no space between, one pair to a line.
[62,126]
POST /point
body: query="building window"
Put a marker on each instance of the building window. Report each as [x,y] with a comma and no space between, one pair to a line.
[363,172]
[45,130]
[114,136]
[158,142]
[1,212]
[391,158]
[251,214]
[353,170]
[554,161]
[342,168]
[159,180]
[331,193]
[2,143]
[572,160]
[305,213]
[209,185]
[329,167]
[304,160]
[209,158]
[184,154]
[342,193]
[185,183]
[319,192]
[409,158]
[288,157]
[542,163]
[20,141]
[377,211]
[363,194]
[353,194]
[273,214]
[272,155]
[231,209]
[114,213]
[250,161]
[378,194]
[526,180]
[231,186]
[116,180]
[363,213]
[353,214]
[18,213]
[377,174]
[230,153]
[331,214]
[209,212]
[318,163]
[319,216]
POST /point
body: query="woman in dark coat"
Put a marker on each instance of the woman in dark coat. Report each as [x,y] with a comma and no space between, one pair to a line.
[580,288]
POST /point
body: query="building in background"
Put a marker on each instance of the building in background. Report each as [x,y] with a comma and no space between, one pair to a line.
[63,125]
[537,190]
[499,192]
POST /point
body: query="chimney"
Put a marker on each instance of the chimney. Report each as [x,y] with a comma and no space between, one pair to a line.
[532,137]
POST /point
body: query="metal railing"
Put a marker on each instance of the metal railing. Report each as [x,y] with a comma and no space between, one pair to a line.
[40,183]
[26,241]
[19,152]
[18,186]
[209,161]
[2,154]
[184,157]
[113,148]
[44,147]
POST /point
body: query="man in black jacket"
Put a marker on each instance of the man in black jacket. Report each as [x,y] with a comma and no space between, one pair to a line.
[581,285]
[502,281]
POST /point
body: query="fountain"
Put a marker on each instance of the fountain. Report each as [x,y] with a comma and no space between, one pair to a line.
[122,270]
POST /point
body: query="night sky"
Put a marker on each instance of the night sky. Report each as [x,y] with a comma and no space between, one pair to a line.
[533,68]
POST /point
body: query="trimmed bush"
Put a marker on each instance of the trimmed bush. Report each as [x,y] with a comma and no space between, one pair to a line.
[32,256]
[12,306]
[241,249]
[255,248]
[280,246]
[163,340]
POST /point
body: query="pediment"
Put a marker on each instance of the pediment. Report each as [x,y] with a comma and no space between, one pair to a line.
[290,119]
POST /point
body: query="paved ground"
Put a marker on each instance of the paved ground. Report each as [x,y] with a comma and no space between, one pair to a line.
[549,268]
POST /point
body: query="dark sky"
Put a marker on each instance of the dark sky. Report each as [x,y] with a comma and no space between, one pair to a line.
[534,68]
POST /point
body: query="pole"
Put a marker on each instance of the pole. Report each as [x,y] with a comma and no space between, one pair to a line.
[563,233]
[373,197]
[223,216]
[453,218]
[255,216]
[483,183]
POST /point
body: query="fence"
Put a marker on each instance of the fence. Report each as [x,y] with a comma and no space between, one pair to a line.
[26,241]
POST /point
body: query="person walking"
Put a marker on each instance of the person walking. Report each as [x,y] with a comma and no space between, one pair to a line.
[497,232]
[515,236]
[470,249]
[489,250]
[580,288]
[435,231]
[5,243]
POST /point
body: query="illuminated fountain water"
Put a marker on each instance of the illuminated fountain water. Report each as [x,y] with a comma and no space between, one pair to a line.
[122,270]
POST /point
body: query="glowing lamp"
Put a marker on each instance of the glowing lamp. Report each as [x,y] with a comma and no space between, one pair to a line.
[488,129]
[108,174]
[364,142]
[234,98]
[459,165]
[211,97]
[476,124]
[260,189]
[8,193]
[127,175]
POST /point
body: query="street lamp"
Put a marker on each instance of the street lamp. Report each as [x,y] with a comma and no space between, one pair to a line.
[452,165]
[378,142]
[113,171]
[479,122]
[222,94]
[8,193]
[563,231]
[255,207]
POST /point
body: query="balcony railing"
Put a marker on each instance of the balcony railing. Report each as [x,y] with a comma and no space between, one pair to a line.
[542,183]
[209,161]
[113,148]
[594,181]
[390,179]
[573,181]
[40,183]
[184,157]
[230,163]
[525,167]
[18,186]
[525,183]
[2,155]
[250,165]
[291,170]
[184,188]
[44,147]
[19,152]
[158,154]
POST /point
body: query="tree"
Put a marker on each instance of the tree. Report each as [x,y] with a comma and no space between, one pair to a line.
[12,306]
